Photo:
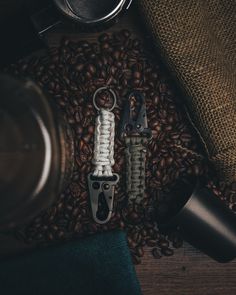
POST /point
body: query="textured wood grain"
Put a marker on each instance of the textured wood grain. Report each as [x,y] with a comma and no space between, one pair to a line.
[188,272]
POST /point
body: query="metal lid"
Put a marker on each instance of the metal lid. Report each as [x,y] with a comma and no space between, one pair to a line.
[92,11]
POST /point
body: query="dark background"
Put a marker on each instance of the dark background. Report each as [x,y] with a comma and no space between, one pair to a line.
[188,272]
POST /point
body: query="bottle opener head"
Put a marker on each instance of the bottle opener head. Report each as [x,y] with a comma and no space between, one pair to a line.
[102,191]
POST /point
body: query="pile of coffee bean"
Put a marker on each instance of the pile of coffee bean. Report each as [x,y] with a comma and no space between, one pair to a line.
[70,74]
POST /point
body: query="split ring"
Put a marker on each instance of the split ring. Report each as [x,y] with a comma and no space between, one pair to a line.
[111,92]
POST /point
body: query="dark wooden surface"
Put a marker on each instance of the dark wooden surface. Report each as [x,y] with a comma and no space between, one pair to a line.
[188,272]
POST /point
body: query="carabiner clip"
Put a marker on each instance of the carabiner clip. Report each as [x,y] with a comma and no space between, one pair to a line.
[135,117]
[102,187]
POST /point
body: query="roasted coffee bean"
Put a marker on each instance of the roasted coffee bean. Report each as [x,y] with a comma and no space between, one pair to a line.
[140,252]
[177,242]
[70,74]
[151,243]
[144,233]
[50,236]
[163,244]
[91,69]
[167,251]
[136,260]
[131,243]
[126,33]
[60,235]
[136,237]
[156,254]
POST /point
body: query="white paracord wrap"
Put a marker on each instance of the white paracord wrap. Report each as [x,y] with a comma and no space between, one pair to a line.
[104,143]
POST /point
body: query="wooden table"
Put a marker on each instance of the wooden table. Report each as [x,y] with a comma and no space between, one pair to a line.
[188,272]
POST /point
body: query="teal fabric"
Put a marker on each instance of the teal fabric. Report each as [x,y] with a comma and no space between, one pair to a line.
[97,265]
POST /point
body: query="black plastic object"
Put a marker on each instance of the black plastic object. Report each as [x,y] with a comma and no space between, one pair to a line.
[204,221]
[25,30]
[20,32]
[36,152]
[18,38]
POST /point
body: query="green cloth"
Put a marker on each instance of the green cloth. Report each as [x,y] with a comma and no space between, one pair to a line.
[100,264]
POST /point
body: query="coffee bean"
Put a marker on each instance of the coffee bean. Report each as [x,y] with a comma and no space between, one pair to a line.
[136,237]
[151,243]
[136,260]
[156,254]
[91,69]
[131,243]
[79,67]
[125,33]
[163,244]
[133,217]
[60,235]
[140,252]
[177,242]
[75,212]
[104,38]
[167,251]
[50,236]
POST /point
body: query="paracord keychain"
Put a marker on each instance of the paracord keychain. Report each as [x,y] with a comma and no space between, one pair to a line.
[102,181]
[135,132]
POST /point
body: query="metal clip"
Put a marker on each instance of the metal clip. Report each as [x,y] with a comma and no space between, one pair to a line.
[135,117]
[102,187]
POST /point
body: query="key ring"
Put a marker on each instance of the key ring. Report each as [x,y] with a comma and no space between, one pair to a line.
[109,90]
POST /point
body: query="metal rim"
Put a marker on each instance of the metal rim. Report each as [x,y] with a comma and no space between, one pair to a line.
[68,11]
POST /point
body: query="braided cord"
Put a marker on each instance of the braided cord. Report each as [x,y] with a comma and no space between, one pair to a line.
[104,143]
[136,163]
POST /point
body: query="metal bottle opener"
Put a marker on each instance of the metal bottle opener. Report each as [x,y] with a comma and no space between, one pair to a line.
[135,132]
[102,188]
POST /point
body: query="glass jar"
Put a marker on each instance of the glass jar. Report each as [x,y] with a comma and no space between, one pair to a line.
[36,152]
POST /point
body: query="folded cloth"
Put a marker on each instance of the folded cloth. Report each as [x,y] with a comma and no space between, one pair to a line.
[100,264]
[197,39]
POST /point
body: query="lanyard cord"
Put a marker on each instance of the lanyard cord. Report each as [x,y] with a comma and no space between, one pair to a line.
[104,144]
[136,164]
